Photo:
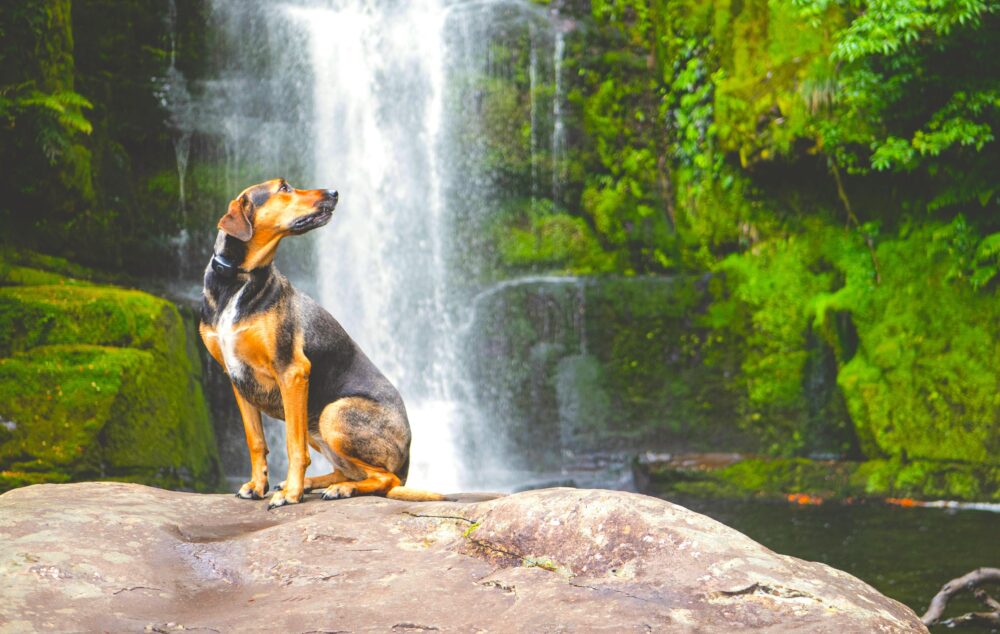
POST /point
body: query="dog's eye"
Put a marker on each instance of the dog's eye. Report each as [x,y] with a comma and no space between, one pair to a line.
[283,187]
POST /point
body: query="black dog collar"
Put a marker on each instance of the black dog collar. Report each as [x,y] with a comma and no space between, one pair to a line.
[224,267]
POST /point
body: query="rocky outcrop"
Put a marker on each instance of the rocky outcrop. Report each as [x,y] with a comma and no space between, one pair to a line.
[123,557]
[98,381]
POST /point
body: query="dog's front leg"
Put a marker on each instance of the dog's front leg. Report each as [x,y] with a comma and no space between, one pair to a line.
[257,487]
[294,387]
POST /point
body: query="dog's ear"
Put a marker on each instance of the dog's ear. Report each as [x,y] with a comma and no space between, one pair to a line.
[235,222]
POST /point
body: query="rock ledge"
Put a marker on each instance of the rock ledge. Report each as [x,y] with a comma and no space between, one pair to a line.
[108,556]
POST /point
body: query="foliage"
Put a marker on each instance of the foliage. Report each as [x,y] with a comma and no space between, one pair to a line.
[923,383]
[552,240]
[798,478]
[755,132]
[82,128]
[58,116]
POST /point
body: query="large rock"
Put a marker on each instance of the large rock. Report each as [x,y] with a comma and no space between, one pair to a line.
[98,381]
[123,557]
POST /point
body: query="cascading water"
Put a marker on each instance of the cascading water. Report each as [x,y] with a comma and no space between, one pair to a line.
[381,100]
[173,94]
[376,111]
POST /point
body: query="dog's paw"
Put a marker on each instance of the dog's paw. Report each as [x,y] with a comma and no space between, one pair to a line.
[281,498]
[251,491]
[338,491]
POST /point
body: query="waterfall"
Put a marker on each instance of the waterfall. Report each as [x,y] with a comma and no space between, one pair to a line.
[532,89]
[382,100]
[558,126]
[376,111]
[172,91]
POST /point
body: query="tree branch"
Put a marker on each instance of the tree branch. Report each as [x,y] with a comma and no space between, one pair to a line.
[968,581]
[851,218]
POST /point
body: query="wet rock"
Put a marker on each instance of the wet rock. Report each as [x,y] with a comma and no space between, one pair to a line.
[124,557]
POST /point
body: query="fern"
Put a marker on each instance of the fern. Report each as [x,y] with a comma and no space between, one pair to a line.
[55,116]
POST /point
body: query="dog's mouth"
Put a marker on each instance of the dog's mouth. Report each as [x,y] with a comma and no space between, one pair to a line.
[314,220]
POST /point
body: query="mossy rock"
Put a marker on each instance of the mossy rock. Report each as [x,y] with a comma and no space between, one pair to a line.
[100,382]
[833,480]
[25,276]
[45,269]
[63,314]
[924,382]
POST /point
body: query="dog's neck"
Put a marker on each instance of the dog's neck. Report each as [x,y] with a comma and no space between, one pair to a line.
[227,257]
[225,273]
[248,287]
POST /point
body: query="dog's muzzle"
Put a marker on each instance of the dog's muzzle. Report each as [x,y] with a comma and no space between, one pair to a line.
[322,215]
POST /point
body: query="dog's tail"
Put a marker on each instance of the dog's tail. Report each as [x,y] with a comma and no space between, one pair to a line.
[409,494]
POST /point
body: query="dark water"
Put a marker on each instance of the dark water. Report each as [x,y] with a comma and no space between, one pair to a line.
[905,553]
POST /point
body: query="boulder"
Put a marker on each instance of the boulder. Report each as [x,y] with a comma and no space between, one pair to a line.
[125,557]
[99,381]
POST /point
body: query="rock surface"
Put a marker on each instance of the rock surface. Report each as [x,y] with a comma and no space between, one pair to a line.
[124,557]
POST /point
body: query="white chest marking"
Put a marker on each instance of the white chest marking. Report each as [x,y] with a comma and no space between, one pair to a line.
[227,333]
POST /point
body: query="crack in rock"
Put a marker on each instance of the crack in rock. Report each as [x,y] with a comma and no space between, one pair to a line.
[440,517]
[137,588]
[608,589]
[761,589]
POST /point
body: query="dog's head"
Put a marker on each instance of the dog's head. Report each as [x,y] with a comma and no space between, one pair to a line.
[264,214]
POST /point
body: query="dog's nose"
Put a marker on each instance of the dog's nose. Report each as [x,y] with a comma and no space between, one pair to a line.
[332,194]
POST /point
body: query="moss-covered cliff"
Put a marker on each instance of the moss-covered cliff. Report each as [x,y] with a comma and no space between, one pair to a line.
[823,170]
[97,381]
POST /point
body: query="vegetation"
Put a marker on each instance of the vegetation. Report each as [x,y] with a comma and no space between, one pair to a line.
[804,479]
[97,381]
[84,133]
[832,165]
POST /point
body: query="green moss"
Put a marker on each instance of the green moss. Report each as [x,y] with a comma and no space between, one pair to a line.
[914,351]
[829,480]
[38,265]
[472,529]
[923,383]
[929,480]
[557,242]
[98,381]
[24,276]
[40,315]
[546,563]
[59,399]
[641,332]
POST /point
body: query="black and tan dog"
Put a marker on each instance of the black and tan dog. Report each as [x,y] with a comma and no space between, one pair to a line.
[291,359]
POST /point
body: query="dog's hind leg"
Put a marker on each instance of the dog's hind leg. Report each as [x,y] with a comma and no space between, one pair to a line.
[318,482]
[367,443]
[378,482]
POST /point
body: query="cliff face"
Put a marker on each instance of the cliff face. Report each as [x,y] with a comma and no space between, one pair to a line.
[109,556]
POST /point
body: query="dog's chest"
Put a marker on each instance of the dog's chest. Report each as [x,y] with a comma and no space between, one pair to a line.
[247,355]
[229,334]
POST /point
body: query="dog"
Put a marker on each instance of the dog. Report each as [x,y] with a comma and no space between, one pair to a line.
[289,358]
